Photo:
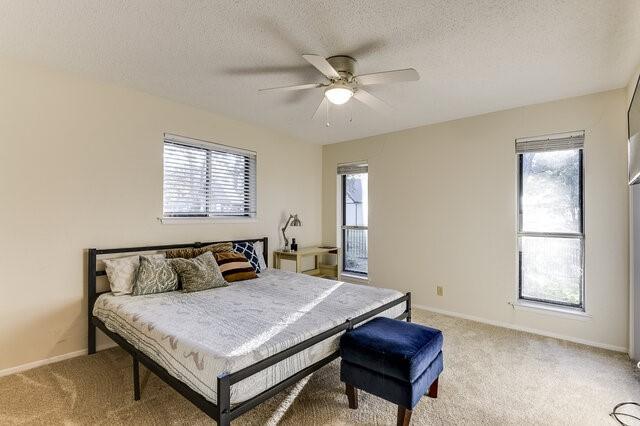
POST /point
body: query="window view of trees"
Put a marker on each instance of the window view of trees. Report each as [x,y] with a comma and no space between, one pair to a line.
[550,235]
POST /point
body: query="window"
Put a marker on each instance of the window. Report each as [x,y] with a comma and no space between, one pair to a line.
[355,212]
[203,179]
[551,220]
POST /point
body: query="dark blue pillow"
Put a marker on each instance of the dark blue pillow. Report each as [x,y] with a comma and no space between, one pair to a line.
[249,252]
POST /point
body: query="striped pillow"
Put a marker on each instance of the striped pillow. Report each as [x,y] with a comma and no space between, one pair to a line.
[234,266]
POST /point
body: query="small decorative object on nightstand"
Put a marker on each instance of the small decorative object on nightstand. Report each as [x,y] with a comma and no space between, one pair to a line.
[320,269]
[293,221]
[294,245]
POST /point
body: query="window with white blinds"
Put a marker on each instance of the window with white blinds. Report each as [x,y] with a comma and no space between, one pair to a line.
[551,219]
[203,179]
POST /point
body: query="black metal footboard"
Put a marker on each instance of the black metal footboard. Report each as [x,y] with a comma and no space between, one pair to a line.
[225,381]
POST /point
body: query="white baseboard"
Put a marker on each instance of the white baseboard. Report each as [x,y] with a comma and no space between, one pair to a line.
[525,329]
[57,358]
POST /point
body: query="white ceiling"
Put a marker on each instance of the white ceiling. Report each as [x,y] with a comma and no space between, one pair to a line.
[473,56]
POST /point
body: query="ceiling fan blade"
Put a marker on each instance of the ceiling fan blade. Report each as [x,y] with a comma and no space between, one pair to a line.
[322,107]
[323,66]
[385,77]
[295,87]
[371,101]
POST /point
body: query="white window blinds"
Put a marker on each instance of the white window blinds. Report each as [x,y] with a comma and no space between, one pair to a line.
[203,179]
[352,168]
[558,142]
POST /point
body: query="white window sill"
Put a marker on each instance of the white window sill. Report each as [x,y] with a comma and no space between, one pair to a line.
[364,279]
[573,313]
[205,220]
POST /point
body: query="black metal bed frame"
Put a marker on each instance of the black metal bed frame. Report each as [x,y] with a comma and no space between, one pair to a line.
[222,411]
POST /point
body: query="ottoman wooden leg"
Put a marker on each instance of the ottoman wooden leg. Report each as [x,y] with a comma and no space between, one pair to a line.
[352,395]
[433,389]
[404,416]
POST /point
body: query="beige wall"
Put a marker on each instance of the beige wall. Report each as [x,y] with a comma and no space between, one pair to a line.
[81,166]
[442,212]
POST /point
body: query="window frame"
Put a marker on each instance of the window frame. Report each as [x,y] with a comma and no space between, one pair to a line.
[210,147]
[579,236]
[344,227]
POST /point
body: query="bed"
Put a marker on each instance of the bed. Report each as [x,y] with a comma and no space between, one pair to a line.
[229,349]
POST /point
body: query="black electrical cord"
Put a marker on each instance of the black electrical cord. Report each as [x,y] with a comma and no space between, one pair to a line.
[615,413]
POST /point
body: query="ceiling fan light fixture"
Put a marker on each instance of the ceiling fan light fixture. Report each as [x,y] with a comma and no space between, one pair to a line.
[338,94]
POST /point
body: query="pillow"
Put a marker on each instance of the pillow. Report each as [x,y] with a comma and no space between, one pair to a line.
[217,247]
[155,276]
[234,266]
[249,252]
[191,252]
[258,246]
[200,273]
[184,253]
[122,272]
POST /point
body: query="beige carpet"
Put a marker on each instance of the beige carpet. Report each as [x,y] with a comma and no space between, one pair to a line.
[492,376]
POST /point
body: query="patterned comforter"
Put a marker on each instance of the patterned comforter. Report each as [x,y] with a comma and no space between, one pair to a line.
[197,336]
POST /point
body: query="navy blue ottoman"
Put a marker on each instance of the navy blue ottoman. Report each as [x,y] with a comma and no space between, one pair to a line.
[395,360]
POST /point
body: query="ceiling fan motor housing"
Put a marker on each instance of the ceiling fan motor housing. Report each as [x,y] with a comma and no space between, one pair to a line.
[345,65]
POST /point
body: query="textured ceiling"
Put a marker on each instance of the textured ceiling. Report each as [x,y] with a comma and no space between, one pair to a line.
[473,56]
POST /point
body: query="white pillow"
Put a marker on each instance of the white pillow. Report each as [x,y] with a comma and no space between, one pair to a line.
[122,272]
[258,248]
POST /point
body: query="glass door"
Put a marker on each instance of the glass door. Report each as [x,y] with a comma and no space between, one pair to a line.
[355,212]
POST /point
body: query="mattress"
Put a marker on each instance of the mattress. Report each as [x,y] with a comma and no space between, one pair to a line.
[198,336]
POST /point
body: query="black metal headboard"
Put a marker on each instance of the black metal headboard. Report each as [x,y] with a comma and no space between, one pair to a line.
[93,273]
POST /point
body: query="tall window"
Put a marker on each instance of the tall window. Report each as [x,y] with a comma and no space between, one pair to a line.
[203,179]
[355,215]
[551,220]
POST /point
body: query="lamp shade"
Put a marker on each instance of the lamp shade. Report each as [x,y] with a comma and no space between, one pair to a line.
[295,221]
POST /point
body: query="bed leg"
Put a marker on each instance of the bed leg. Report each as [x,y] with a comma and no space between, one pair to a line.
[224,400]
[91,299]
[136,379]
[91,346]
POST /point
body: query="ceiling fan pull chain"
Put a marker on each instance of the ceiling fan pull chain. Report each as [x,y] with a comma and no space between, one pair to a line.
[327,114]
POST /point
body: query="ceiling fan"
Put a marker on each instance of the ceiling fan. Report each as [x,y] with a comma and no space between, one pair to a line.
[344,83]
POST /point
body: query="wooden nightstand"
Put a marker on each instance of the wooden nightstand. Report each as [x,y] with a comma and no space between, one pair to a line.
[320,269]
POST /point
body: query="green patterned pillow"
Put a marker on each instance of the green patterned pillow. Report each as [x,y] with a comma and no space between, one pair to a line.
[200,273]
[155,276]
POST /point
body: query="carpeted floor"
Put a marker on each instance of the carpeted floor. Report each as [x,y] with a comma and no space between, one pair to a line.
[492,376]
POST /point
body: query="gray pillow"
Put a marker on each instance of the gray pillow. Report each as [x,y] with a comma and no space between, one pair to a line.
[122,272]
[155,276]
[200,273]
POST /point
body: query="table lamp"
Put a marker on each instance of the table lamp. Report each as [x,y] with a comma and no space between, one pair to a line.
[293,221]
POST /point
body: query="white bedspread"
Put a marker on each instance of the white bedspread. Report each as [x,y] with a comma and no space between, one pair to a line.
[197,336]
